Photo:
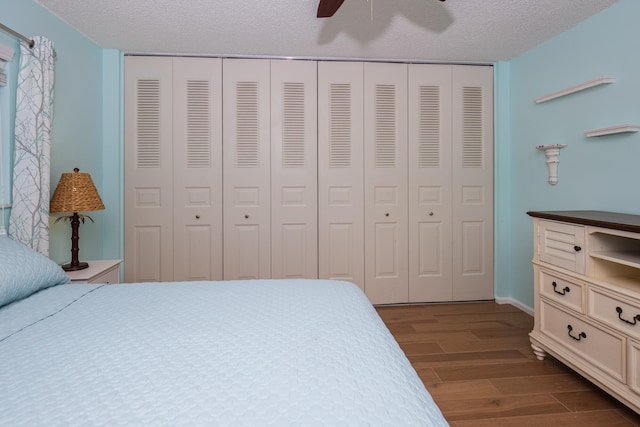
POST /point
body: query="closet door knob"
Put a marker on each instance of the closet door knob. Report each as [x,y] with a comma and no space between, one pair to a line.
[197,216]
[577,248]
[387,214]
[246,216]
[430,213]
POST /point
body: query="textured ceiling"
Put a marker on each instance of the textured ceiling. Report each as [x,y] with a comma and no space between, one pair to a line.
[470,31]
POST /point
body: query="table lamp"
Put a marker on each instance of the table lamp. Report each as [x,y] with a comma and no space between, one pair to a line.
[75,193]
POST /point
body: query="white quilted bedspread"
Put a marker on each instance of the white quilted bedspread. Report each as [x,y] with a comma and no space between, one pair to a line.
[245,353]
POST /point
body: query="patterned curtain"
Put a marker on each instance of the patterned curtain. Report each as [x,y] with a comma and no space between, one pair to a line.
[29,220]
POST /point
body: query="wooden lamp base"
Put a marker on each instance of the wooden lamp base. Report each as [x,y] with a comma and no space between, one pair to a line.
[71,267]
[75,264]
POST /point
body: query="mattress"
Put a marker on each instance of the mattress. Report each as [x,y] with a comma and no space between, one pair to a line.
[236,353]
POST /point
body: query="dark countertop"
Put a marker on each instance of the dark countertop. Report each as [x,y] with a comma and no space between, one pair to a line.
[612,220]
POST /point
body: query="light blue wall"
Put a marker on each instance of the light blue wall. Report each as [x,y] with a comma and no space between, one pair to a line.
[594,173]
[112,154]
[78,136]
[7,116]
[502,178]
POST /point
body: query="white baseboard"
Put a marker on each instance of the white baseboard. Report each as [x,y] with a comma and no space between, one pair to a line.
[515,303]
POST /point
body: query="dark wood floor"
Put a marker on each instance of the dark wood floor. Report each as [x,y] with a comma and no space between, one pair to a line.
[476,362]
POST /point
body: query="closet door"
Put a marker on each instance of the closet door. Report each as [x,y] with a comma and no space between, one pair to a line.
[148,170]
[197,163]
[246,169]
[430,183]
[341,171]
[294,177]
[385,154]
[472,183]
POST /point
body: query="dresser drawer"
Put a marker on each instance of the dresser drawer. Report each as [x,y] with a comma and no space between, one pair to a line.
[563,291]
[109,277]
[562,245]
[602,349]
[615,311]
[99,271]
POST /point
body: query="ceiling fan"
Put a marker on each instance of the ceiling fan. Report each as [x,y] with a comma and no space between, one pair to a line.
[326,8]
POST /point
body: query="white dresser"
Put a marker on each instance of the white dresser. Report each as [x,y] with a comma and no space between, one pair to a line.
[587,296]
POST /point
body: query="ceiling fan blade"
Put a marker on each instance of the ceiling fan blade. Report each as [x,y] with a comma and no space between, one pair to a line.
[327,8]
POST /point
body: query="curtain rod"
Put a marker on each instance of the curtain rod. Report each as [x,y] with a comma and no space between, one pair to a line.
[30,42]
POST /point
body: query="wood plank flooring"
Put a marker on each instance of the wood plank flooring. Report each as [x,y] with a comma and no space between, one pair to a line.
[476,361]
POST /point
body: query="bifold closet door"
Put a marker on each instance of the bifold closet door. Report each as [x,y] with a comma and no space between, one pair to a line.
[472,182]
[148,169]
[197,163]
[246,169]
[385,167]
[294,170]
[430,247]
[341,171]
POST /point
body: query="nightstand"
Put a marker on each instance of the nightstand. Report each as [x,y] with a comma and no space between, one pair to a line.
[102,271]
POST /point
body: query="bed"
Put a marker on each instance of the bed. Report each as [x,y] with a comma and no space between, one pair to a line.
[236,353]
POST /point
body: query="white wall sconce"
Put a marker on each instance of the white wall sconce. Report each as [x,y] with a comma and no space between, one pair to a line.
[553,153]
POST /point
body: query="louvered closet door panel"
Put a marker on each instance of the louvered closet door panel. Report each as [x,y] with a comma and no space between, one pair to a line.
[246,169]
[148,205]
[430,183]
[472,182]
[294,171]
[197,157]
[385,153]
[341,171]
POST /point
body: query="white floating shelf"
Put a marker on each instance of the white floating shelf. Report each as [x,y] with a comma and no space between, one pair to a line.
[577,88]
[612,130]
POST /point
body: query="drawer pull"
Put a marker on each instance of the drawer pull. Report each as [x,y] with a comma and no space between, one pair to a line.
[580,335]
[635,318]
[564,291]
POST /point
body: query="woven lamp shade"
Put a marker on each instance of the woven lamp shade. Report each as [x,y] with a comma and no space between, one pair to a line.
[75,193]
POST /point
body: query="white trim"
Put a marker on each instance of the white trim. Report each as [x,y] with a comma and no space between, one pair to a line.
[6,52]
[307,58]
[515,303]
